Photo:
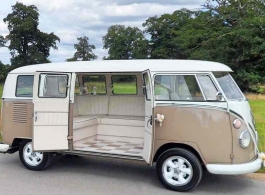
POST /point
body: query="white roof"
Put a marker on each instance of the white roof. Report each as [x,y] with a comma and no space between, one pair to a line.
[127,66]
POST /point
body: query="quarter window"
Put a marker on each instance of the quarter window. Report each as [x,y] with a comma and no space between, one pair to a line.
[53,86]
[124,85]
[177,88]
[95,84]
[24,86]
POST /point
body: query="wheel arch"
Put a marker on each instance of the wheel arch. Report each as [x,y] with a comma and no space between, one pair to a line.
[169,146]
[15,144]
[17,141]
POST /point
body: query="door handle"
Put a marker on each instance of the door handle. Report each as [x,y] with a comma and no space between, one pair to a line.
[150,121]
[36,116]
[160,118]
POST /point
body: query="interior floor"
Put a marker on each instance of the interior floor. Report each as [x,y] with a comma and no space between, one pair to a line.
[111,147]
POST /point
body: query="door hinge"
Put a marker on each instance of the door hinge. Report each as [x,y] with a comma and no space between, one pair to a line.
[70,137]
[232,156]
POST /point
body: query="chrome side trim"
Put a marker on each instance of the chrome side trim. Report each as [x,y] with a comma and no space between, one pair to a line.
[16,99]
[236,114]
[192,106]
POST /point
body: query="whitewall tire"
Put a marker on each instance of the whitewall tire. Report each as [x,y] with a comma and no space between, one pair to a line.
[32,160]
[179,170]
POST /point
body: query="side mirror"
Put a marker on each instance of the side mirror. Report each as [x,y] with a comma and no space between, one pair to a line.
[219,96]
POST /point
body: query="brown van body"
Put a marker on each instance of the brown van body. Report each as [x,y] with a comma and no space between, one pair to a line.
[204,130]
[208,131]
[17,120]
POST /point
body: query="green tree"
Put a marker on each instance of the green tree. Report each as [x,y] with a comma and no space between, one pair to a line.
[232,32]
[28,45]
[2,41]
[125,43]
[163,31]
[3,71]
[228,31]
[84,51]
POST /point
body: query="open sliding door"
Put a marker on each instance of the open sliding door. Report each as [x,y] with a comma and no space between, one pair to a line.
[148,133]
[51,110]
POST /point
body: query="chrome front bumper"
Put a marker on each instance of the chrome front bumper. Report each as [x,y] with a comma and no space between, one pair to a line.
[235,169]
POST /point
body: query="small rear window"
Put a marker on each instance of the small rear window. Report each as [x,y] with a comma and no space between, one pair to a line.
[24,86]
[124,85]
[95,84]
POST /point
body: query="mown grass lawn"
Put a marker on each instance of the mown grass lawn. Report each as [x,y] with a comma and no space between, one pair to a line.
[258,108]
[118,88]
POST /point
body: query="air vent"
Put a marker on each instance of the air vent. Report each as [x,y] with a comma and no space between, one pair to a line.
[20,113]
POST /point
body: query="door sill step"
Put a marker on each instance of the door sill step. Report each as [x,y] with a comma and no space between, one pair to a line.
[86,153]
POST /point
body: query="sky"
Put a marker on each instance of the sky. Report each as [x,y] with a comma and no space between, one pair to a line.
[70,19]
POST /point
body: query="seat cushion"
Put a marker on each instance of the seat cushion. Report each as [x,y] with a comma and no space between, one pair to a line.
[122,121]
[84,121]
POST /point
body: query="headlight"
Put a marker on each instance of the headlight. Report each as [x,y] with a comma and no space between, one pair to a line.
[245,139]
[237,123]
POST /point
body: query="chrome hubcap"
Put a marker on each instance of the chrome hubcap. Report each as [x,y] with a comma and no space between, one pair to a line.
[177,171]
[32,158]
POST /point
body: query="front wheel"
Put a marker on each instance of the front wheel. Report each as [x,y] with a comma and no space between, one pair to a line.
[35,161]
[179,170]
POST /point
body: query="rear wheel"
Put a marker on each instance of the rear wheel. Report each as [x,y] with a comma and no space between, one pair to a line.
[179,170]
[35,161]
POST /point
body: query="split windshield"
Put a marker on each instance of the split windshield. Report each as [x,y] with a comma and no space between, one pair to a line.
[229,86]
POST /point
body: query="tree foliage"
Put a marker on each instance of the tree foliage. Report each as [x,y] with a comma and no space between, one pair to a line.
[28,45]
[3,71]
[163,31]
[228,31]
[2,41]
[125,43]
[84,51]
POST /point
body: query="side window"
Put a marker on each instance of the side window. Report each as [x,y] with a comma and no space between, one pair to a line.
[147,88]
[24,86]
[208,87]
[177,88]
[188,88]
[124,85]
[163,87]
[53,86]
[94,84]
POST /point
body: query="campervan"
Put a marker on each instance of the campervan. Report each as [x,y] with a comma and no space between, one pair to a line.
[182,116]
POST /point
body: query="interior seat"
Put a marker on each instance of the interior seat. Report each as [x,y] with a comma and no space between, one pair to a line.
[120,118]
[84,121]
[122,121]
